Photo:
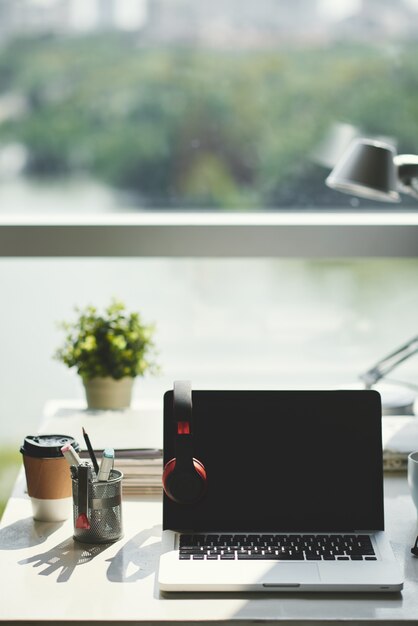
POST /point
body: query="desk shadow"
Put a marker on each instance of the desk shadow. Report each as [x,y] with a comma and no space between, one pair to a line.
[26,533]
[135,560]
[64,558]
[388,599]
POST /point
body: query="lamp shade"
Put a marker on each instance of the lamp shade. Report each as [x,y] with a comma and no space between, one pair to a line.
[366,169]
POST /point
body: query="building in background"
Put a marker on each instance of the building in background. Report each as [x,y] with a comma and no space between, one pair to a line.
[215,22]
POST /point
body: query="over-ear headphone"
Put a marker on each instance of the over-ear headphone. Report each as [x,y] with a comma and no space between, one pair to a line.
[184,477]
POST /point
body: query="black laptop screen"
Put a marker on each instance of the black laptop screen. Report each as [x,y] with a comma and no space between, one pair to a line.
[283,461]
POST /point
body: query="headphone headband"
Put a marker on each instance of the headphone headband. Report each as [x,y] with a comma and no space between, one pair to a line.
[182,406]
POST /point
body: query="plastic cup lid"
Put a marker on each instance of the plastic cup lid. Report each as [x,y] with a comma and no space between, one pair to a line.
[47,446]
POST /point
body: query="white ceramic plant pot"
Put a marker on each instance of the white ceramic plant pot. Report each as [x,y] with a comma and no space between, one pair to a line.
[108,393]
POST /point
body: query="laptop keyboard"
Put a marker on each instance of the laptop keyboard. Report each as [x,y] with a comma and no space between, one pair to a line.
[275,547]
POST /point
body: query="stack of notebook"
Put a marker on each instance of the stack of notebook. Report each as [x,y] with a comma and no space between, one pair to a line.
[400,437]
[142,470]
[141,476]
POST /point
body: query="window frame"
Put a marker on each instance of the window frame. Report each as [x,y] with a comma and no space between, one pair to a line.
[179,234]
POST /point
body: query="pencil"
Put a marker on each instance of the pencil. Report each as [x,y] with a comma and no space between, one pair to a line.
[91,452]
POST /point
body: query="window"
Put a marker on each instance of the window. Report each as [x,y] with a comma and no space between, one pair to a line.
[237,323]
[222,105]
[156,147]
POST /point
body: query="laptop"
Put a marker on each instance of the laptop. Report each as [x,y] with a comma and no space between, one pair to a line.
[293,497]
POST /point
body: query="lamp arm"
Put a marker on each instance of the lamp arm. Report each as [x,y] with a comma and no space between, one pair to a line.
[388,363]
[407,169]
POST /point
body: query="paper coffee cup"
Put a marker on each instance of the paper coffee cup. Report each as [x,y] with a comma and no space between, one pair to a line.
[48,476]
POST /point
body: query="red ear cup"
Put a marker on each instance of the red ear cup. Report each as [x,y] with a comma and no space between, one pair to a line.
[184,486]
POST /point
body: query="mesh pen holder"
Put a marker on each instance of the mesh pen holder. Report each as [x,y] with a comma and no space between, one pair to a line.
[104,510]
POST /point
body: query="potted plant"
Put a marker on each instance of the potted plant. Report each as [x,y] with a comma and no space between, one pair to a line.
[109,351]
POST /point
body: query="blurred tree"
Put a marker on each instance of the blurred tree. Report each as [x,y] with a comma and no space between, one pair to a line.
[201,128]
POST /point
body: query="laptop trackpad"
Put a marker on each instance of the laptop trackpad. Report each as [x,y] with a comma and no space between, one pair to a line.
[292,574]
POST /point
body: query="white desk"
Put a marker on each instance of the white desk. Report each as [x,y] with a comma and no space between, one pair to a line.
[46,576]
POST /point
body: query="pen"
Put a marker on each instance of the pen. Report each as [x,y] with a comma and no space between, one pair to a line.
[71,455]
[91,452]
[106,464]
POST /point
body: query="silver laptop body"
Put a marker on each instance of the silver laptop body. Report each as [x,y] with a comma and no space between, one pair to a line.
[294,497]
